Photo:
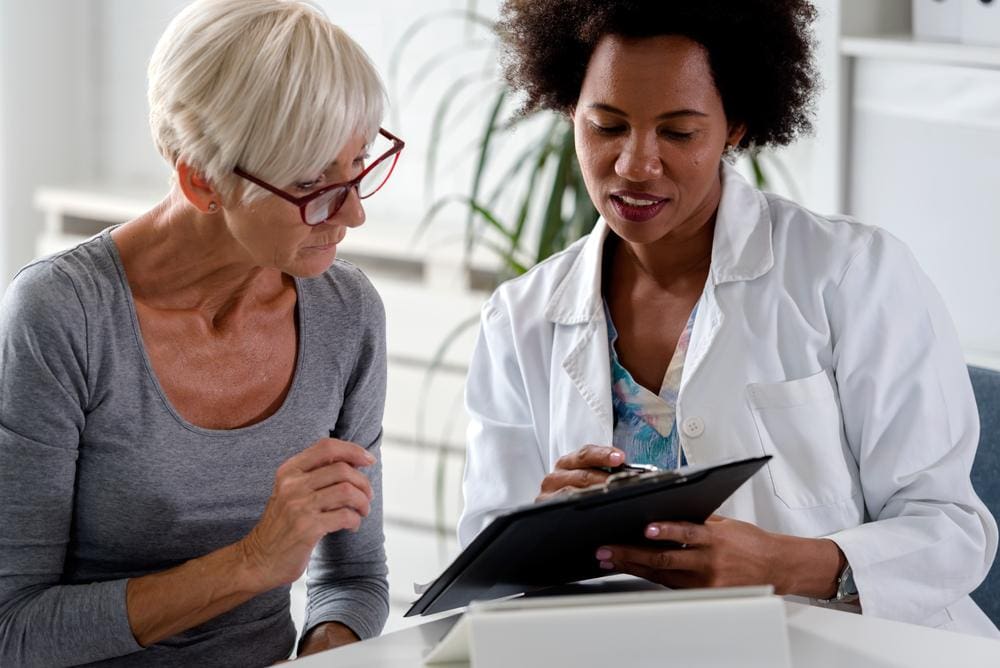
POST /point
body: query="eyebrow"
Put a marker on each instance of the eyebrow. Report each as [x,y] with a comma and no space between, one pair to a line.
[678,113]
[336,161]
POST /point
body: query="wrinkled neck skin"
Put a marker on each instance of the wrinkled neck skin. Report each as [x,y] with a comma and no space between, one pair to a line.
[177,258]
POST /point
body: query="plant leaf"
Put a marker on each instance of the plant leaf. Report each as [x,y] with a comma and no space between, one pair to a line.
[437,127]
[438,60]
[482,161]
[552,221]
[473,206]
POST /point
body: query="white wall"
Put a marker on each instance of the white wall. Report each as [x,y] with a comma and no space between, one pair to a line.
[3,182]
[46,126]
[128,31]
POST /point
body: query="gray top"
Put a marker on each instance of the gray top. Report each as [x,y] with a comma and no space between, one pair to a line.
[101,479]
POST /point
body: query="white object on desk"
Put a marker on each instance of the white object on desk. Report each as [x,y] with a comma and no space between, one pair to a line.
[742,626]
[819,638]
[981,22]
[937,19]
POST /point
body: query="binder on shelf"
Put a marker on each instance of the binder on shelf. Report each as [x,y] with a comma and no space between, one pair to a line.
[937,19]
[981,22]
[553,542]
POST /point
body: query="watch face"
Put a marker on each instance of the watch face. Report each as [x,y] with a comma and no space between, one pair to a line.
[846,589]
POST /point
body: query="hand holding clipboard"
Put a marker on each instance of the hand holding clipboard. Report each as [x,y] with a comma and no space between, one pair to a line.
[554,541]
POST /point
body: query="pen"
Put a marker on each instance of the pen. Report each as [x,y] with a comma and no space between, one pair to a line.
[637,468]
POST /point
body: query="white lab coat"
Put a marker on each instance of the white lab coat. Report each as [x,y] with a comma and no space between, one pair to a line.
[817,340]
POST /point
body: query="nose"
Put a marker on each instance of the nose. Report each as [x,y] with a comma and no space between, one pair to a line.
[351,212]
[639,159]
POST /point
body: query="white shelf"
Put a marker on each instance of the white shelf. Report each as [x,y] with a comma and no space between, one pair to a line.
[905,47]
[100,204]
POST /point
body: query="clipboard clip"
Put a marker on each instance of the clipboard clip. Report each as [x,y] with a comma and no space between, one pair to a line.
[632,474]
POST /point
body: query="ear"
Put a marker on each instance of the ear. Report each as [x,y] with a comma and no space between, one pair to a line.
[197,189]
[736,133]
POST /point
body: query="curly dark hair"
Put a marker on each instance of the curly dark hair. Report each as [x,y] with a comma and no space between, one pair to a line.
[760,52]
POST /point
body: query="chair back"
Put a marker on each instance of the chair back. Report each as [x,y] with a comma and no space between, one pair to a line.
[986,474]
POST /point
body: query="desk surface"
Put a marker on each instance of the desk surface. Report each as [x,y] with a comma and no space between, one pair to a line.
[819,638]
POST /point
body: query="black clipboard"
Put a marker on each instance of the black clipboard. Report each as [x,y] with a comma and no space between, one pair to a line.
[554,542]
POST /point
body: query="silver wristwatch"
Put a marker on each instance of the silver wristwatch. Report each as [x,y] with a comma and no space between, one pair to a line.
[847,591]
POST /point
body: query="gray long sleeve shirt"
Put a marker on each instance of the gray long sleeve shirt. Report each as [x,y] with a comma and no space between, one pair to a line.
[101,480]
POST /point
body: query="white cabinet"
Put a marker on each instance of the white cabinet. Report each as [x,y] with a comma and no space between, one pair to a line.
[937,19]
[980,22]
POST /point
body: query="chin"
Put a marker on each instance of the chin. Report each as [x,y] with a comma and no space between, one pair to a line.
[311,267]
[640,233]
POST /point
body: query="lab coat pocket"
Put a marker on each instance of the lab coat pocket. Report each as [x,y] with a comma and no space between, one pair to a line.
[799,424]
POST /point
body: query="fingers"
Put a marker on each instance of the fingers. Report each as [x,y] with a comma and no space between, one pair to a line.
[685,533]
[580,469]
[340,519]
[342,495]
[338,472]
[591,456]
[562,479]
[657,559]
[327,451]
[672,579]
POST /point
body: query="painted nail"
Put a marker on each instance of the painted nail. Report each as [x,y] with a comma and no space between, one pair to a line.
[652,531]
[607,565]
[603,554]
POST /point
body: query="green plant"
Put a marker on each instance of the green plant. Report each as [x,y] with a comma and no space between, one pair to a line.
[524,206]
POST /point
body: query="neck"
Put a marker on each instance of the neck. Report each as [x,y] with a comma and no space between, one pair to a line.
[674,259]
[177,258]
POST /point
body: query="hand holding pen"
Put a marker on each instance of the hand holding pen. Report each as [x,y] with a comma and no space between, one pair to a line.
[590,465]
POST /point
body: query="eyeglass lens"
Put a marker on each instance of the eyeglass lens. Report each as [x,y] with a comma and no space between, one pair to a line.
[324,207]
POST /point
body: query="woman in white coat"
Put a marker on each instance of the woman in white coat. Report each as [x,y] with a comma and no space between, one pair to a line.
[704,320]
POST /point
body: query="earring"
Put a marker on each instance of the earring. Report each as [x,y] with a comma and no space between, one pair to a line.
[212,207]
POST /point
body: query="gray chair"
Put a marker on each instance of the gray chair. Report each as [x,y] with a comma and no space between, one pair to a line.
[986,473]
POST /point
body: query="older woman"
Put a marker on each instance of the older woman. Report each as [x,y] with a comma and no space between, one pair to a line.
[191,403]
[704,320]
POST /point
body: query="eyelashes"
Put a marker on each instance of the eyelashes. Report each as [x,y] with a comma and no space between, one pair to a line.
[617,130]
[359,163]
[308,185]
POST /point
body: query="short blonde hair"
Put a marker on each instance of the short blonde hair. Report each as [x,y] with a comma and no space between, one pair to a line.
[269,85]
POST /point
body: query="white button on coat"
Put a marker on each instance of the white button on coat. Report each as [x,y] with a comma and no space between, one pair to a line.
[693,427]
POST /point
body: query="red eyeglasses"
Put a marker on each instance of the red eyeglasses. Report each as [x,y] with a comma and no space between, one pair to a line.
[323,204]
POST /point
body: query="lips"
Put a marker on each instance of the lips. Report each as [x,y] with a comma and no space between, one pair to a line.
[637,207]
[339,236]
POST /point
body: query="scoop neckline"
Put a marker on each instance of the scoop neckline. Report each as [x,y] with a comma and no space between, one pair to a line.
[300,310]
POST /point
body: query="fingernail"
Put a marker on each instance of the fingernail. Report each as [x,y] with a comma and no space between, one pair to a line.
[652,531]
[603,554]
[616,457]
[370,457]
[607,565]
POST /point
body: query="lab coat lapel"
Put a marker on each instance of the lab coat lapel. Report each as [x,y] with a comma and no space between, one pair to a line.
[581,335]
[741,251]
